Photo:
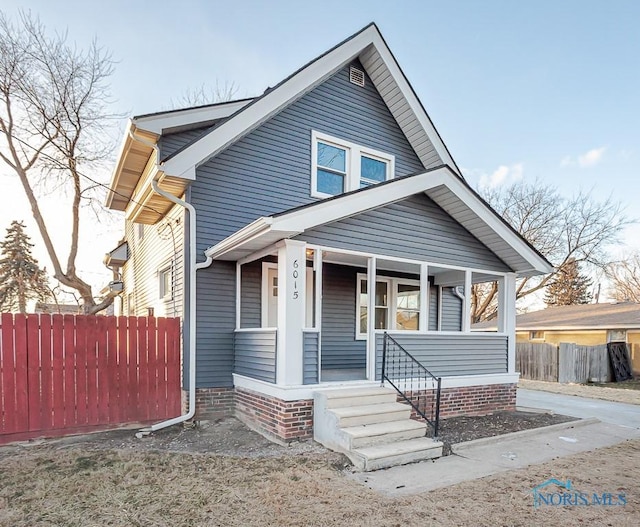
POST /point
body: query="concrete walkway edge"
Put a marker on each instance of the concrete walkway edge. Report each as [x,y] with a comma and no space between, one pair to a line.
[465,445]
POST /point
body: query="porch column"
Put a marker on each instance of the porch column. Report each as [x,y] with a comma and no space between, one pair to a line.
[291,311]
[466,304]
[317,266]
[507,316]
[371,315]
[423,324]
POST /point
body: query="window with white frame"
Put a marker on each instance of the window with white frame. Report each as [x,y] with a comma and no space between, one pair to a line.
[165,283]
[397,304]
[340,166]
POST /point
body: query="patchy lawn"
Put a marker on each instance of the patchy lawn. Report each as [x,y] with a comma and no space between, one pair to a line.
[79,484]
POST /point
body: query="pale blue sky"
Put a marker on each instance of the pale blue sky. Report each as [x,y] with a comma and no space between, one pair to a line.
[544,89]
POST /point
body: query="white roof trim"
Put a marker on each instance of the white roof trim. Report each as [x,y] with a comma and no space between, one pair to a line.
[603,327]
[165,122]
[293,88]
[290,224]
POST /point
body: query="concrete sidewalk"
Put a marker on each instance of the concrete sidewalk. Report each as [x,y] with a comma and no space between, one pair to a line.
[477,459]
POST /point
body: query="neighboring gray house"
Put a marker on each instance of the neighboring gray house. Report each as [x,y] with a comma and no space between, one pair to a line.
[299,199]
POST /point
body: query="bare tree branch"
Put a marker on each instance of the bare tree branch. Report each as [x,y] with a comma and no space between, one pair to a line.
[577,229]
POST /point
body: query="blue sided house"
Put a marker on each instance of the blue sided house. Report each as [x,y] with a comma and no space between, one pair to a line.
[320,245]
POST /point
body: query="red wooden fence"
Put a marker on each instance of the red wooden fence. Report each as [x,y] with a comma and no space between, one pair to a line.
[62,374]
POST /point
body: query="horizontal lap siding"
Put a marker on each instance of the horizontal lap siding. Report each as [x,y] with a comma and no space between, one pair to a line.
[414,228]
[251,295]
[216,324]
[310,357]
[450,355]
[255,355]
[269,170]
[451,311]
[171,143]
[433,308]
[161,246]
[340,349]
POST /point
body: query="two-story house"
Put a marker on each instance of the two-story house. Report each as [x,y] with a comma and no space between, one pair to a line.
[263,223]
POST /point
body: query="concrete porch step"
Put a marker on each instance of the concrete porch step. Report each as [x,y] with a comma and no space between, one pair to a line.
[398,453]
[360,397]
[392,431]
[370,414]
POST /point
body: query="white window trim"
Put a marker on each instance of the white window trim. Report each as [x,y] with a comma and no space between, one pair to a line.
[532,337]
[392,312]
[353,158]
[165,295]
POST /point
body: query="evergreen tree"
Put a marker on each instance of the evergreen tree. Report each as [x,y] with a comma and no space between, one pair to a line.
[569,287]
[21,278]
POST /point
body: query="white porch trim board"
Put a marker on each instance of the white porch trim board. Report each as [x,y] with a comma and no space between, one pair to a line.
[303,392]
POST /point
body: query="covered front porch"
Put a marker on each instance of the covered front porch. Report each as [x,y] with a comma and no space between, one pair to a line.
[305,317]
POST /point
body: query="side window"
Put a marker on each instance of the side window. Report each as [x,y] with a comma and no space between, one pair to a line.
[165,284]
[340,166]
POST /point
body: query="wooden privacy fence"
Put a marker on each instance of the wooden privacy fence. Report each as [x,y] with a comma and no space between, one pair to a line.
[564,363]
[68,374]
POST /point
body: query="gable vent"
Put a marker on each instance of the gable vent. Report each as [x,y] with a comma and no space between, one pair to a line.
[356,76]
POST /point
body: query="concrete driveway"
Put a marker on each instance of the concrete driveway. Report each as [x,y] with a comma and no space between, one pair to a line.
[608,412]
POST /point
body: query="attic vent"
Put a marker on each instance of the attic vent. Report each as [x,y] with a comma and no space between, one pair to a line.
[356,76]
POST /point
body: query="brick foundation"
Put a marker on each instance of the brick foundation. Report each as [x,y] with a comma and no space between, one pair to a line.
[212,403]
[282,420]
[292,420]
[473,400]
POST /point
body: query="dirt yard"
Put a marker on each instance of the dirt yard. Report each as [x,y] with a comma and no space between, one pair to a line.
[226,475]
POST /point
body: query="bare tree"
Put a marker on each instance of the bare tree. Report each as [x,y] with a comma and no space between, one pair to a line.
[203,95]
[562,229]
[53,110]
[625,279]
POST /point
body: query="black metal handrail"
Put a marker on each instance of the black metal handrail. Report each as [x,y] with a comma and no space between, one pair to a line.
[399,365]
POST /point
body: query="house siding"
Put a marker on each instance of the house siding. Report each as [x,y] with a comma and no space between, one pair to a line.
[414,228]
[447,355]
[269,170]
[340,349]
[311,342]
[255,354]
[161,246]
[251,295]
[171,143]
[216,320]
[451,311]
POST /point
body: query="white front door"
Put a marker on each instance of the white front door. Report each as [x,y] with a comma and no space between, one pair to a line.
[270,296]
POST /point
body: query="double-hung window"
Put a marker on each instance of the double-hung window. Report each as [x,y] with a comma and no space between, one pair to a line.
[340,166]
[397,304]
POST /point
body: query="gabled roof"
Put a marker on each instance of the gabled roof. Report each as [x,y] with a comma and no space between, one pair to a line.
[441,184]
[382,68]
[625,315]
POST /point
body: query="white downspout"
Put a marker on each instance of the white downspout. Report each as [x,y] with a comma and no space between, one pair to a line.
[193,267]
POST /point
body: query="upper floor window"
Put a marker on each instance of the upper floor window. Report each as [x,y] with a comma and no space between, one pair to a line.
[341,166]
